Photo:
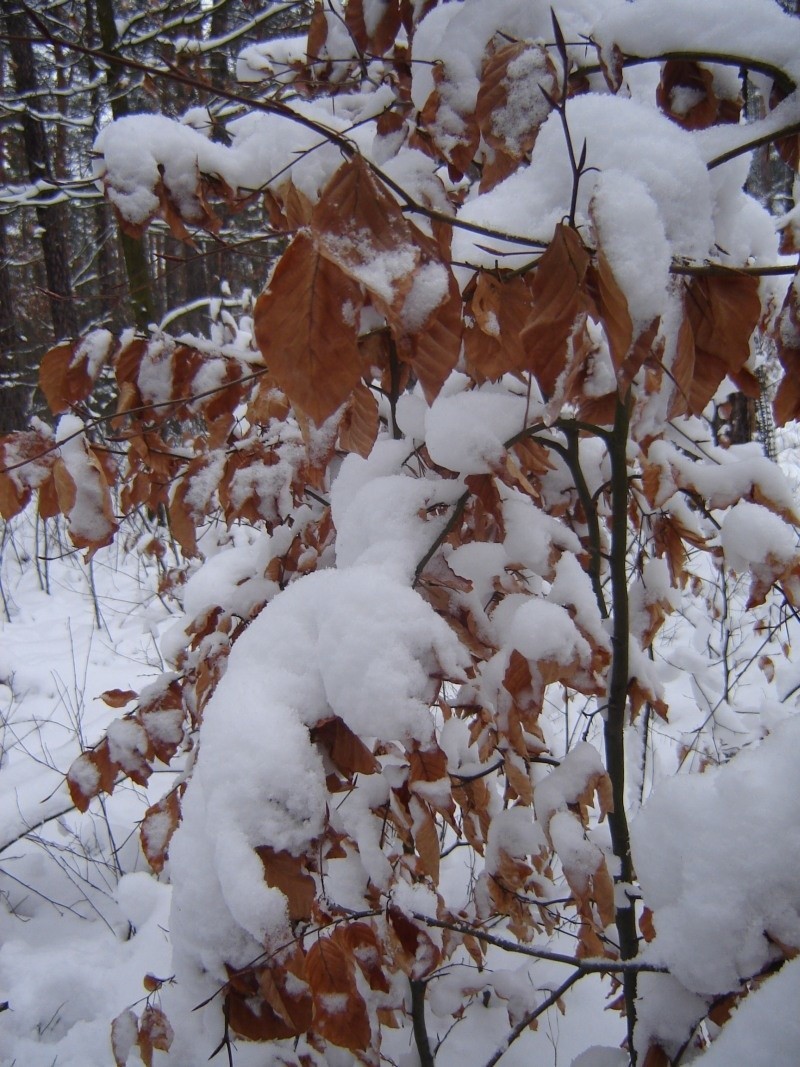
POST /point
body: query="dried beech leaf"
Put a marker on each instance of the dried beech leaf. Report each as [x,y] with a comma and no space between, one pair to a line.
[558,298]
[340,1014]
[118,698]
[723,311]
[92,773]
[359,227]
[359,426]
[426,837]
[361,941]
[686,94]
[158,825]
[345,748]
[286,872]
[305,326]
[155,1032]
[492,346]
[516,82]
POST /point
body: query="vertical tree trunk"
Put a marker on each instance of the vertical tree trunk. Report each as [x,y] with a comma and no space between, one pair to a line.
[15,391]
[52,220]
[137,267]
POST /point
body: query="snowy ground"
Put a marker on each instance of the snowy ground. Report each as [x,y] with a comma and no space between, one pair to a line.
[83,921]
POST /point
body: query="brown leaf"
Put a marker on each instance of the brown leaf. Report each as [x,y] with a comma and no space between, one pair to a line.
[686,94]
[53,379]
[253,1019]
[286,872]
[158,825]
[786,336]
[92,773]
[340,1014]
[361,941]
[492,346]
[359,426]
[723,311]
[118,698]
[358,225]
[155,1032]
[426,837]
[306,328]
[290,1000]
[511,103]
[381,35]
[558,297]
[345,748]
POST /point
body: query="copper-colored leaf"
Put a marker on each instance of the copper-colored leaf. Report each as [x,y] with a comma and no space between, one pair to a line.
[518,83]
[118,698]
[53,379]
[373,35]
[358,225]
[340,1014]
[345,748]
[286,872]
[686,94]
[723,311]
[92,773]
[786,336]
[426,837]
[430,340]
[155,1032]
[359,426]
[362,943]
[306,328]
[498,306]
[558,298]
[158,825]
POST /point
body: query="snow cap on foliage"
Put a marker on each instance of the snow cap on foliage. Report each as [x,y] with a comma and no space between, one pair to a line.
[713,919]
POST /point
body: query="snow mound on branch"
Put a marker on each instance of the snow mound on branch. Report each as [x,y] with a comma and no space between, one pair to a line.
[713,919]
[636,141]
[355,643]
[766,1022]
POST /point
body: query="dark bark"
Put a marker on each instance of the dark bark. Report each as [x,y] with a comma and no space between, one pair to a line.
[52,220]
[134,253]
[617,705]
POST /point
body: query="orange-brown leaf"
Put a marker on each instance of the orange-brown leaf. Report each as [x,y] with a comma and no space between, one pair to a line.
[306,328]
[155,1032]
[286,872]
[158,825]
[492,346]
[118,698]
[558,298]
[340,1014]
[723,311]
[358,225]
[359,426]
[345,748]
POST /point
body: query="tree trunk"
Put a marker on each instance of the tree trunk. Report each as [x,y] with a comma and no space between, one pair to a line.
[52,220]
[137,266]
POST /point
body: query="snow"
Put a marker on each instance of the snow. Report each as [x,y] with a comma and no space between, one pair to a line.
[713,919]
